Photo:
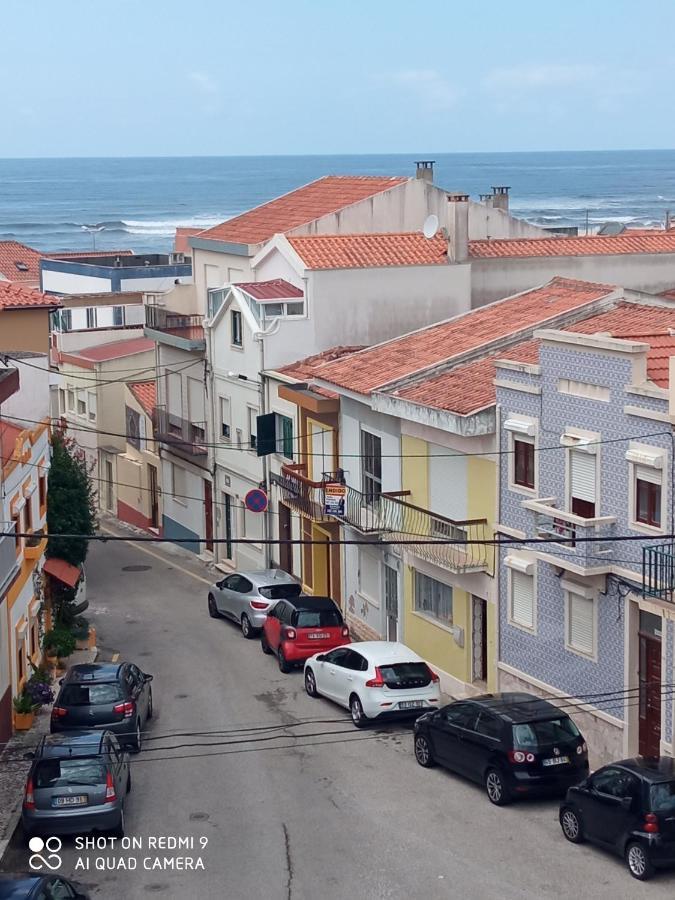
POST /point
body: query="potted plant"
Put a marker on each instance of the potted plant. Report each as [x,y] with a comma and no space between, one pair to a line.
[23,711]
[61,642]
[40,693]
[81,632]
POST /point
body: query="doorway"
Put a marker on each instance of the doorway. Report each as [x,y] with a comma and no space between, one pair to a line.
[321,575]
[649,675]
[479,639]
[154,497]
[228,527]
[285,549]
[208,514]
[109,496]
[391,601]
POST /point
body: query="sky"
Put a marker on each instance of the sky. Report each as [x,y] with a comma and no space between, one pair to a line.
[214,77]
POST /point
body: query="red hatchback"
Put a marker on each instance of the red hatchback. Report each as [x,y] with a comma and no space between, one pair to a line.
[298,627]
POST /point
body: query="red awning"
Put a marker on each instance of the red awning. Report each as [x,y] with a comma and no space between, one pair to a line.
[59,568]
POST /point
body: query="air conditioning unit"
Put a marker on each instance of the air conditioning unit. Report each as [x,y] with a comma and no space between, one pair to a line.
[176,259]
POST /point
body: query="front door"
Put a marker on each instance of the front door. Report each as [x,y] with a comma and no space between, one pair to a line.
[208,515]
[650,684]
[320,563]
[285,549]
[228,527]
[109,498]
[154,500]
[479,639]
[391,602]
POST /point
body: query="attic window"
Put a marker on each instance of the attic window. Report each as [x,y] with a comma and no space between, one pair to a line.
[21,266]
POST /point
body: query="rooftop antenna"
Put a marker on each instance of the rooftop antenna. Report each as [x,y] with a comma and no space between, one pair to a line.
[430,227]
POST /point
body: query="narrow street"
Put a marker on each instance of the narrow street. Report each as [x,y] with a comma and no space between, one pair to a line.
[306,806]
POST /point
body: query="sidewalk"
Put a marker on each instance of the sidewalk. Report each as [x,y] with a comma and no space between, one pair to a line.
[14,768]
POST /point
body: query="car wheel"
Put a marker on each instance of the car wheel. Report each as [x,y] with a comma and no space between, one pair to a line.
[496,788]
[150,709]
[264,646]
[128,781]
[356,709]
[118,831]
[638,862]
[246,628]
[571,825]
[310,684]
[283,664]
[138,740]
[423,753]
[213,609]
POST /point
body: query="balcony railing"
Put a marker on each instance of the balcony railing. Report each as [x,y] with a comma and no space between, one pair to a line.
[570,533]
[658,572]
[184,330]
[300,493]
[180,435]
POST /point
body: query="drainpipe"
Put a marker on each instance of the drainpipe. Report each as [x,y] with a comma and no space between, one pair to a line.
[213,449]
[262,382]
[496,558]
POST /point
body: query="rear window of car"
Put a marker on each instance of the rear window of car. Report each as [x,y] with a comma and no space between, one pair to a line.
[399,673]
[317,618]
[662,797]
[279,591]
[530,735]
[90,694]
[61,772]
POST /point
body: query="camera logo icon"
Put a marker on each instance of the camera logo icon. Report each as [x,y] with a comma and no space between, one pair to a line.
[52,846]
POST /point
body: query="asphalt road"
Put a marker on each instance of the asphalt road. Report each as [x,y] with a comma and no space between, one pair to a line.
[305,807]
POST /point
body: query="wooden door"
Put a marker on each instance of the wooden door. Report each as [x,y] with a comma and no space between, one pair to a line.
[650,696]
[154,500]
[479,639]
[208,514]
[285,550]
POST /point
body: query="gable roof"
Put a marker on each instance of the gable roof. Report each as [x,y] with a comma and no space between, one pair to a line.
[299,207]
[383,363]
[305,369]
[106,352]
[276,289]
[356,251]
[635,241]
[11,253]
[14,295]
[146,394]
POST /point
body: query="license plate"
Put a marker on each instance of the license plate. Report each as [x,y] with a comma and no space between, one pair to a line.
[318,636]
[411,704]
[556,761]
[75,800]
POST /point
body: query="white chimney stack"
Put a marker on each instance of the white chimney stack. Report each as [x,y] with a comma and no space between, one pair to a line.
[458,227]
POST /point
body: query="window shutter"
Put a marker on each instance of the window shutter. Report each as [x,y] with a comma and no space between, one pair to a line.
[522,598]
[580,623]
[266,434]
[648,473]
[582,475]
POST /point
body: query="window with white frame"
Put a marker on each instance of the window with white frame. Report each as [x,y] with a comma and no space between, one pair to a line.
[252,427]
[433,598]
[62,401]
[70,394]
[522,461]
[178,486]
[284,435]
[647,483]
[580,635]
[583,482]
[81,403]
[91,317]
[371,466]
[225,420]
[521,592]
[237,328]
[91,398]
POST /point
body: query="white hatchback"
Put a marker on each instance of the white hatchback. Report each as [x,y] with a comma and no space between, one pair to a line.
[374,680]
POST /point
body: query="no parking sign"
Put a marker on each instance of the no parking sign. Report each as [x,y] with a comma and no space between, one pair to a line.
[256,500]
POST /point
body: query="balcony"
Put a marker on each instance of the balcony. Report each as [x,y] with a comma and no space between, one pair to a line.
[301,493]
[658,572]
[568,535]
[9,565]
[185,438]
[166,327]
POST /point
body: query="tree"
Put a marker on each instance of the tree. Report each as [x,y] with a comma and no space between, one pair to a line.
[71,501]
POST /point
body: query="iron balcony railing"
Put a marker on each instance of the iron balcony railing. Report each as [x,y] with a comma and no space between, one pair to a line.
[299,492]
[571,533]
[181,435]
[658,572]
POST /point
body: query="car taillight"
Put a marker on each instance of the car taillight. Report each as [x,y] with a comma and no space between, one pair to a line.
[651,825]
[434,677]
[289,634]
[127,709]
[58,711]
[582,748]
[110,787]
[256,604]
[519,757]
[345,631]
[29,796]
[377,681]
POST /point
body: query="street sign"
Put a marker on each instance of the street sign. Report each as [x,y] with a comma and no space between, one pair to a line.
[334,499]
[256,500]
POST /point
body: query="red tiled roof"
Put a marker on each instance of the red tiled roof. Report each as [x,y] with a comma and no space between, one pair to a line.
[360,251]
[115,350]
[12,252]
[8,435]
[277,289]
[637,241]
[299,207]
[305,369]
[394,359]
[181,243]
[146,394]
[14,295]
[75,254]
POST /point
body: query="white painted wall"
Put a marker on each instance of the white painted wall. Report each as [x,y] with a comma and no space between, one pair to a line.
[32,401]
[188,513]
[70,283]
[226,264]
[448,483]
[159,283]
[72,341]
[486,222]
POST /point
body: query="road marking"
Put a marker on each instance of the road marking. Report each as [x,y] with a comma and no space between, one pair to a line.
[157,556]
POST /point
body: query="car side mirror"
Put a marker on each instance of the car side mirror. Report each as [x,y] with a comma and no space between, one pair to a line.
[220,584]
[321,657]
[29,755]
[148,677]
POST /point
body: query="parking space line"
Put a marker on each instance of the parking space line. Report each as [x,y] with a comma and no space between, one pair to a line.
[160,558]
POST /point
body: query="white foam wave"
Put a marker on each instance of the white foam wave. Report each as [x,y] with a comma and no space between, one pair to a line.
[168,226]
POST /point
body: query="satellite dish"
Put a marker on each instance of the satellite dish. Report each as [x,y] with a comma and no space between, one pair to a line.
[430,226]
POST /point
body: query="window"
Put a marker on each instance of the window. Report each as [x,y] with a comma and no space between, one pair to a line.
[70,394]
[295,309]
[91,694]
[317,618]
[522,599]
[133,425]
[34,638]
[284,436]
[62,401]
[615,782]
[91,399]
[433,598]
[647,496]
[118,316]
[461,714]
[371,462]
[252,427]
[28,515]
[225,423]
[583,483]
[16,521]
[536,735]
[81,403]
[489,726]
[523,461]
[21,658]
[42,488]
[178,483]
[237,331]
[91,317]
[580,623]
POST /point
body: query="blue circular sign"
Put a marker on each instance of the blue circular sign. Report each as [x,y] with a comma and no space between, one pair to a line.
[256,500]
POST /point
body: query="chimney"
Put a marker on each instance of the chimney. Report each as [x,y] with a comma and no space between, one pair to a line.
[425,169]
[486,199]
[500,197]
[458,227]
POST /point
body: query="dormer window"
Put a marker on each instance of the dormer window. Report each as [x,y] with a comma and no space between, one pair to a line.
[21,266]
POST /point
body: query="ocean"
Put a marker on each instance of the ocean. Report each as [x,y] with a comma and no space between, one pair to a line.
[139,202]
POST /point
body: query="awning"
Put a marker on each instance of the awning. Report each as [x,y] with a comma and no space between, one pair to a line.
[62,570]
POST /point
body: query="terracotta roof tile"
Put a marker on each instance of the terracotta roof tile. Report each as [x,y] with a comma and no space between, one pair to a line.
[146,394]
[354,251]
[115,350]
[76,254]
[389,361]
[180,242]
[299,207]
[277,289]
[11,253]
[629,242]
[305,369]
[14,295]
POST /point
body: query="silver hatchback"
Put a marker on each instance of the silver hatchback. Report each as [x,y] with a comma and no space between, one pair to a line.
[245,597]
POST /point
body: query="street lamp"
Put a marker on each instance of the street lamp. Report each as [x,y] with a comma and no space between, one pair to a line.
[92,229]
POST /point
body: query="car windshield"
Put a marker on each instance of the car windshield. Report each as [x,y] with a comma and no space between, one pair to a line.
[279,591]
[317,618]
[90,694]
[60,772]
[662,797]
[530,735]
[398,673]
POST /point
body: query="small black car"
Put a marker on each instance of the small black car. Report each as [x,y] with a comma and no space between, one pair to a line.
[114,696]
[39,887]
[627,807]
[515,744]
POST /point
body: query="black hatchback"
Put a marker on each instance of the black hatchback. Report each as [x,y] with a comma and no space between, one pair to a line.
[114,696]
[515,744]
[627,807]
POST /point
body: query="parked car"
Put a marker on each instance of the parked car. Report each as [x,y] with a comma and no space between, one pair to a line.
[115,696]
[40,887]
[515,744]
[627,807]
[299,627]
[245,597]
[77,783]
[374,680]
